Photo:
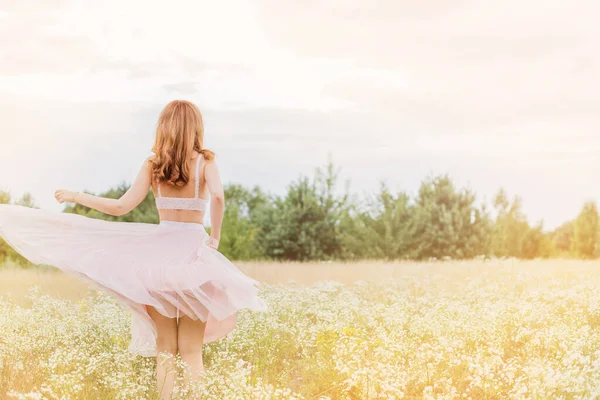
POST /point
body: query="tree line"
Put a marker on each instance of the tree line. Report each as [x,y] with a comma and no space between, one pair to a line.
[313,220]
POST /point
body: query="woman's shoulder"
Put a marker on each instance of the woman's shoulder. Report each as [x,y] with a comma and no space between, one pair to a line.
[148,163]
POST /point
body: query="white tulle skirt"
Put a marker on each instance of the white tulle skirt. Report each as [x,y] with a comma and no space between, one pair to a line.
[167,266]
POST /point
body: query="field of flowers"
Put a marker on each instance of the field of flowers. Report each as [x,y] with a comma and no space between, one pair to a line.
[446,330]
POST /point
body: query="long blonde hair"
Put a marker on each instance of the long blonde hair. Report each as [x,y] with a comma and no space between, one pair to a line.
[180,131]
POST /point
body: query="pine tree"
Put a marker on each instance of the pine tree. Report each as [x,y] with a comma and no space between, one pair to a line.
[585,238]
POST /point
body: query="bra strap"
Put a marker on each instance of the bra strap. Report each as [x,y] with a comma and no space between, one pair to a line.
[197,176]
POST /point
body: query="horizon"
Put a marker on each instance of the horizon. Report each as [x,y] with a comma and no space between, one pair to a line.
[341,183]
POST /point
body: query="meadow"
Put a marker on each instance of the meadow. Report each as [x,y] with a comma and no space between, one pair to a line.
[486,329]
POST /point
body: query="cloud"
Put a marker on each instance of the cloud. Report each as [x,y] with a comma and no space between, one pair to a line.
[132,70]
[210,50]
[182,66]
[188,87]
[396,34]
[28,45]
[24,7]
[471,66]
[194,67]
[58,37]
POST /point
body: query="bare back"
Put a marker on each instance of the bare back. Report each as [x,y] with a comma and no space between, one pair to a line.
[166,191]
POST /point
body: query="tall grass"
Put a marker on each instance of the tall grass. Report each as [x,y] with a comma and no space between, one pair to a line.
[480,330]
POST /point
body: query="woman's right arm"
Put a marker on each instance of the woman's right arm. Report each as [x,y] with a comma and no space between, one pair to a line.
[217,198]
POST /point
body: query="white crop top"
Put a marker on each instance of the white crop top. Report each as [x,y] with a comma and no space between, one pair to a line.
[183,203]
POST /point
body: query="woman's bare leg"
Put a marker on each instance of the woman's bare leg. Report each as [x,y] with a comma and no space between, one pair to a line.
[166,342]
[190,338]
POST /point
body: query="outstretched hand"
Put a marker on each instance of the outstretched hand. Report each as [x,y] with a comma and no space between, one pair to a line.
[62,195]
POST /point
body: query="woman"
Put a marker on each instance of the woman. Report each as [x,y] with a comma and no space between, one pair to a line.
[180,290]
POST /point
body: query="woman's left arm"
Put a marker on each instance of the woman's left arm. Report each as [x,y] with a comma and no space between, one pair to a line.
[132,197]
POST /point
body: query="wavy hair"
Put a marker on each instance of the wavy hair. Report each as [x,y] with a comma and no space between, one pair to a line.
[180,131]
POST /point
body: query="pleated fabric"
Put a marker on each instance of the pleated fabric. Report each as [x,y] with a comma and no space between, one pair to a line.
[168,266]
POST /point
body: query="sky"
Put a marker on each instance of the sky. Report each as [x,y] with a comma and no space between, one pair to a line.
[495,94]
